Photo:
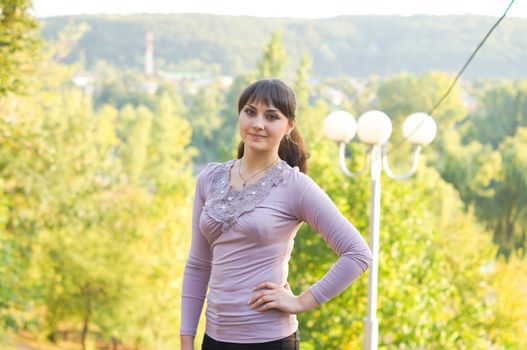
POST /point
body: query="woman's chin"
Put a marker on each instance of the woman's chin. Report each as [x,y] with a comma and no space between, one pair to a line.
[258,146]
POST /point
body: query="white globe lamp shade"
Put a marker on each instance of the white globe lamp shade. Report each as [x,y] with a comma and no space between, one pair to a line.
[374,127]
[419,128]
[340,126]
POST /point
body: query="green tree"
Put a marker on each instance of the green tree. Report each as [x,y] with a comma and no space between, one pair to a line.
[19,45]
[206,121]
[509,300]
[507,213]
[302,87]
[166,158]
[272,64]
[483,159]
[97,249]
[135,149]
[503,109]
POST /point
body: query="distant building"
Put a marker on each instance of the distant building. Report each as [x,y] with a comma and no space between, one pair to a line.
[150,84]
[470,102]
[333,95]
[85,80]
[149,55]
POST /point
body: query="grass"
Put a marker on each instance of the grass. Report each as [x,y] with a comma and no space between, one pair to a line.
[21,342]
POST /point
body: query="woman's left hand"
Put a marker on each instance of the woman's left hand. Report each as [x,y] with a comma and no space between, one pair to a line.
[270,295]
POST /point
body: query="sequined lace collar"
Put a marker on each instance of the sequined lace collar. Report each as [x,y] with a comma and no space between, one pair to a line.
[226,205]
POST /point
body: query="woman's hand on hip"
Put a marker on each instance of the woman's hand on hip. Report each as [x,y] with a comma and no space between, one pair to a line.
[269,295]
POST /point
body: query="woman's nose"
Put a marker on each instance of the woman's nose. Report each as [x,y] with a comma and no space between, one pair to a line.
[258,122]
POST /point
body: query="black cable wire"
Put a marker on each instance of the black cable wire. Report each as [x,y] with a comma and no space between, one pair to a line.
[438,103]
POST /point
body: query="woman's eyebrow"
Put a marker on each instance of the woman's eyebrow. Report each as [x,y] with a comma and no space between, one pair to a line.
[267,110]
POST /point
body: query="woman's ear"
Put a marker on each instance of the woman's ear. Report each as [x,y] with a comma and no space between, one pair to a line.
[291,126]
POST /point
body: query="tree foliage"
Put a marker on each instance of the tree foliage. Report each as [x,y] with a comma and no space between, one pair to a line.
[437,287]
[274,58]
[358,46]
[95,206]
[19,45]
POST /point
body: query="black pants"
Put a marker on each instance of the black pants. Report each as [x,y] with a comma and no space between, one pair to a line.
[291,342]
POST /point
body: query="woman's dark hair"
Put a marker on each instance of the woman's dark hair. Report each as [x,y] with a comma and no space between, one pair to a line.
[277,93]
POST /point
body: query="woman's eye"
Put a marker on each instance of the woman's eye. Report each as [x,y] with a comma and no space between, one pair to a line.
[274,117]
[249,111]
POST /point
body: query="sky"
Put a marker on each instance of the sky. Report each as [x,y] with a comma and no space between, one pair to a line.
[283,8]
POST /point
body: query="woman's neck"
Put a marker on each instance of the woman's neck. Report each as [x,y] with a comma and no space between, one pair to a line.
[253,162]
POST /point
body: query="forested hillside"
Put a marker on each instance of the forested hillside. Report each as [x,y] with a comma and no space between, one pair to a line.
[358,46]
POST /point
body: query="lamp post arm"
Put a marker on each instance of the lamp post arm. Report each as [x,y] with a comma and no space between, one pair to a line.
[344,167]
[390,173]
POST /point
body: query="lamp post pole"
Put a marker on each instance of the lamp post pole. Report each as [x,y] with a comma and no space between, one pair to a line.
[371,321]
[375,128]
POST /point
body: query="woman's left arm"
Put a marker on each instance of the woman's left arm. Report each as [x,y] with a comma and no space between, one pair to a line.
[316,208]
[270,295]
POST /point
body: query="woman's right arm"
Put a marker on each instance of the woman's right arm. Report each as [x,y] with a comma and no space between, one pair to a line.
[187,342]
[197,271]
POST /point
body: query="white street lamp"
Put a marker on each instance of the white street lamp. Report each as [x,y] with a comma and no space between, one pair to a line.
[419,128]
[340,126]
[375,128]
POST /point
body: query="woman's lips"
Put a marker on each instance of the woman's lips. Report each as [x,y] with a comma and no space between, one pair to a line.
[257,137]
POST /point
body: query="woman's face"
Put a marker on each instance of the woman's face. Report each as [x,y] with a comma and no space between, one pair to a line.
[262,127]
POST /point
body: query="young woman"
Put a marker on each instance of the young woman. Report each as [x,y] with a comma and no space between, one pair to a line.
[246,214]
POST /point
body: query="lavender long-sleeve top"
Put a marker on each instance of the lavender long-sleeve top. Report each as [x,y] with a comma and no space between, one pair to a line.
[242,238]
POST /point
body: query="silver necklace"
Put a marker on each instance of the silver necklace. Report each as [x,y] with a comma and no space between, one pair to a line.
[246,180]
